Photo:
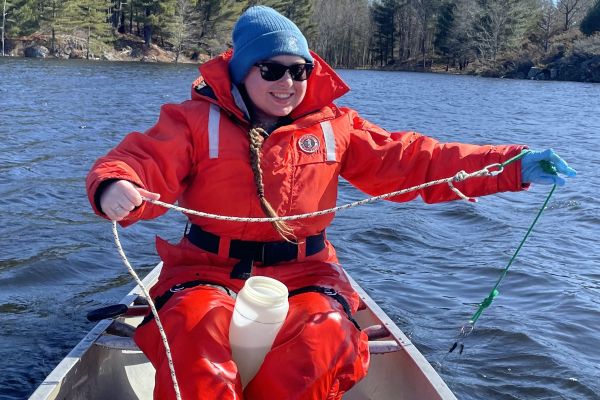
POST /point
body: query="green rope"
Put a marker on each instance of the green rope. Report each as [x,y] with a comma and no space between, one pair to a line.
[522,154]
[494,292]
[467,328]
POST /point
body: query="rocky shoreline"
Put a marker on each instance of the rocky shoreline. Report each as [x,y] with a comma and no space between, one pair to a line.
[131,48]
[569,68]
[127,48]
[573,68]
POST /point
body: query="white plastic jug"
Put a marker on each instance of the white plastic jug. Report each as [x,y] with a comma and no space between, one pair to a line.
[260,309]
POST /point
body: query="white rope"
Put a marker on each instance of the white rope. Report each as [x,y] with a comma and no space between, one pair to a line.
[163,335]
[458,177]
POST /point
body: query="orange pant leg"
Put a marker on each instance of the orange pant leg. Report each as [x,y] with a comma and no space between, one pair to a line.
[196,323]
[318,354]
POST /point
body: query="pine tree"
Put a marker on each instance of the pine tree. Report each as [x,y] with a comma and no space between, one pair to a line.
[591,22]
[51,13]
[117,16]
[443,40]
[299,11]
[384,20]
[217,18]
[148,19]
[28,16]
[87,18]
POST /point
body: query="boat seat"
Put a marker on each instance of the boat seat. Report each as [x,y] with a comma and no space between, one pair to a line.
[375,332]
[119,337]
[127,343]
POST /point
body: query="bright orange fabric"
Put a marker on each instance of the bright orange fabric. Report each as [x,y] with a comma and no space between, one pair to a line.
[172,158]
[318,353]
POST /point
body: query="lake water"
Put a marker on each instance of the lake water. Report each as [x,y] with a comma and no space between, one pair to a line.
[427,265]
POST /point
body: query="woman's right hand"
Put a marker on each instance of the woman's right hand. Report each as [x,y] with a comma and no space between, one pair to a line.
[121,197]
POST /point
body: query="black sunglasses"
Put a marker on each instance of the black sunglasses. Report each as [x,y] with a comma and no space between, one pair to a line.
[272,71]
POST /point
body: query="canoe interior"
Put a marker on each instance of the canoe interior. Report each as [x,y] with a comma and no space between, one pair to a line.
[91,371]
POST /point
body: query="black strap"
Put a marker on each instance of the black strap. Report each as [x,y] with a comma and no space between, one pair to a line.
[242,270]
[268,253]
[331,293]
[161,300]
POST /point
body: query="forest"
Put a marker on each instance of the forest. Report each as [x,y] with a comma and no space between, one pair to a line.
[556,39]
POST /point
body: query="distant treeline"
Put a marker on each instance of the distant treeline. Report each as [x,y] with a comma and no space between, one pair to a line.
[348,33]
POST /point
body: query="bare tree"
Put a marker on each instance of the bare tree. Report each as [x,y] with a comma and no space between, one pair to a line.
[406,23]
[426,11]
[569,10]
[183,25]
[499,26]
[3,24]
[461,42]
[547,23]
[342,32]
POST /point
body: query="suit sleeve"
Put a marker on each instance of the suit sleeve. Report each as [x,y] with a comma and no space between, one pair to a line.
[378,162]
[158,160]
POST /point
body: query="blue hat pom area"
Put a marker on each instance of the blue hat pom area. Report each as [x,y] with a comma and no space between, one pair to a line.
[261,33]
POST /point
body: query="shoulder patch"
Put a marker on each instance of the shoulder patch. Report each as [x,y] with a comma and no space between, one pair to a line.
[309,143]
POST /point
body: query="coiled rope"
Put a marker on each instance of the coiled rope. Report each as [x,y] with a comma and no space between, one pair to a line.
[490,170]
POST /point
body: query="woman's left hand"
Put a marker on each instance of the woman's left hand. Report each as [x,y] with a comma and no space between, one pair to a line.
[543,167]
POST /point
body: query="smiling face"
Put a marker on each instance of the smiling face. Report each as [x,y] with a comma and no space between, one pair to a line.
[275,99]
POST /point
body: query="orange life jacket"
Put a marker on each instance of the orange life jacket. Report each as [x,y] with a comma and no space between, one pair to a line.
[198,154]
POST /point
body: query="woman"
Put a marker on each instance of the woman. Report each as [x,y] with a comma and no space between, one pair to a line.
[260,137]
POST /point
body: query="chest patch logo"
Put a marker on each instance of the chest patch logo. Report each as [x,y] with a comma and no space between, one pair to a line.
[308,143]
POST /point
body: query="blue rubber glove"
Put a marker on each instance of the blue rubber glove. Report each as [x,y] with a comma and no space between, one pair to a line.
[543,167]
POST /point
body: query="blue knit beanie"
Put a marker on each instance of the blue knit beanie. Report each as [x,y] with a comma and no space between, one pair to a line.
[261,33]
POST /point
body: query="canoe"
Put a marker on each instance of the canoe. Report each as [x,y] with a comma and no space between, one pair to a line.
[107,364]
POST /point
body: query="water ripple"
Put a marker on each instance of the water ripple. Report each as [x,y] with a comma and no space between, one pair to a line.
[428,266]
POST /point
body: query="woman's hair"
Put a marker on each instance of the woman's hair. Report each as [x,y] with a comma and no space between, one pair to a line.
[257,136]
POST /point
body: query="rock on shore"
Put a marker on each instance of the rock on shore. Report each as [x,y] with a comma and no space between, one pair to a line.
[126,48]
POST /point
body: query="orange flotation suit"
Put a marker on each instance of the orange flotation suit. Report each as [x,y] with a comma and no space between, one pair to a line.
[198,154]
